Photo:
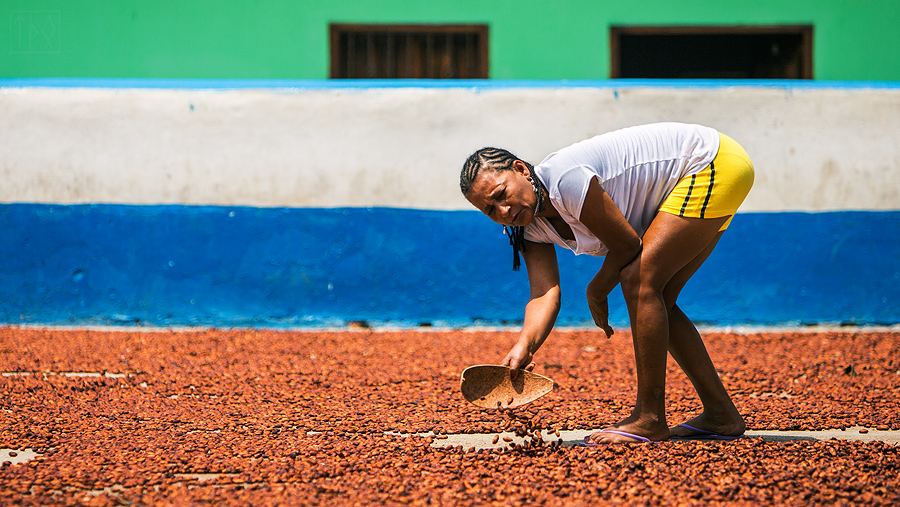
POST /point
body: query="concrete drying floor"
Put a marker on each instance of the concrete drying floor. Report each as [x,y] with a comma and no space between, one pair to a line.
[375,417]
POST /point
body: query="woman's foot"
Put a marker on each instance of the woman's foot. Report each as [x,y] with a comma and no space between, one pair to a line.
[630,432]
[729,424]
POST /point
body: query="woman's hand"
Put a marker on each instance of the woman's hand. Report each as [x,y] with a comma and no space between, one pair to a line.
[517,357]
[599,306]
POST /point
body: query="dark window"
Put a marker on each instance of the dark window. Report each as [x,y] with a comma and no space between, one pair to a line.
[409,51]
[747,52]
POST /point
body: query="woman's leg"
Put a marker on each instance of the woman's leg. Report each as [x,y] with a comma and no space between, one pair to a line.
[670,244]
[687,348]
[719,413]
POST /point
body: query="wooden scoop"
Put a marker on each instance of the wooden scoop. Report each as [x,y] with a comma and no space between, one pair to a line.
[489,386]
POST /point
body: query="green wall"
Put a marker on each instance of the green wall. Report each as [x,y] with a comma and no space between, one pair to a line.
[529,39]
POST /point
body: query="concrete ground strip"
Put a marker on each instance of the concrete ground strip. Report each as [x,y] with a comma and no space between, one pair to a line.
[572,437]
[16,456]
[568,437]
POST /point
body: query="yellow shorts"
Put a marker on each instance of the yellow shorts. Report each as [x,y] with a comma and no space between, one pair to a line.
[716,191]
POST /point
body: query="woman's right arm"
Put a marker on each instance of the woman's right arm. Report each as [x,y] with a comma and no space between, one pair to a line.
[543,304]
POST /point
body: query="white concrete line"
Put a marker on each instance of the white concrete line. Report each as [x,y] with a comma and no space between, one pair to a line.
[205,476]
[70,374]
[568,438]
[858,433]
[571,437]
[17,456]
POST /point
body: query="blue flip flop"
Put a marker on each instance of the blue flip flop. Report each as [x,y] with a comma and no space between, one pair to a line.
[703,434]
[585,443]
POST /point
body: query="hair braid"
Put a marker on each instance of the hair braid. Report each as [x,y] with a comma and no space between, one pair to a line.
[492,159]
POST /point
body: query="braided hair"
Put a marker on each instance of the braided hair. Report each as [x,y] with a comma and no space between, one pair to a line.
[498,159]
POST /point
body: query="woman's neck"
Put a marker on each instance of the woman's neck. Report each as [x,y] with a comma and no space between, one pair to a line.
[549,211]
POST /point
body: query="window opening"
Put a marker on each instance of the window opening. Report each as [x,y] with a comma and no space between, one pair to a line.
[409,51]
[747,52]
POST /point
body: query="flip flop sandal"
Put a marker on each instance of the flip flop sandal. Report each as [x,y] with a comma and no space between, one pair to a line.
[703,434]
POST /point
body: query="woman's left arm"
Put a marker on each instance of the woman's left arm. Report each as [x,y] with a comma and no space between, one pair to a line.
[604,219]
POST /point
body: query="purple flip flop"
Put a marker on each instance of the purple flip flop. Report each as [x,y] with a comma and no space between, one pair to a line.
[585,443]
[703,435]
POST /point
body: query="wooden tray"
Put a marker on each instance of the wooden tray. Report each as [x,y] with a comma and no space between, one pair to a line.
[489,386]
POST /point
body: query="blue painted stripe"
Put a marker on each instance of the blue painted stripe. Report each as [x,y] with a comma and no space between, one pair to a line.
[288,267]
[478,84]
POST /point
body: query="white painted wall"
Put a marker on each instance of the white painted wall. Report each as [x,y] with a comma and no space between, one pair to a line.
[814,149]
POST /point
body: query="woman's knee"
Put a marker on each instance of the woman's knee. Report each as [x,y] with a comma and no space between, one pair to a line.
[630,279]
[637,280]
[638,273]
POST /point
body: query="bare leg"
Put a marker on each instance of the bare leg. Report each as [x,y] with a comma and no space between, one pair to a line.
[686,347]
[719,413]
[671,244]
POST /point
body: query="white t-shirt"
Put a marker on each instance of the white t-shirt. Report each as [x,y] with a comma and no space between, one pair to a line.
[638,167]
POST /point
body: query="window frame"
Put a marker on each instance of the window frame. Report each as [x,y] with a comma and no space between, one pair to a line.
[479,30]
[805,32]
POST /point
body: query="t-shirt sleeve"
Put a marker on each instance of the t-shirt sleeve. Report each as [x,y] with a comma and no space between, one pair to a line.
[573,187]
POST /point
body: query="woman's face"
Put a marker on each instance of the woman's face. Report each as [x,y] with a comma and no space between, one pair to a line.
[507,197]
